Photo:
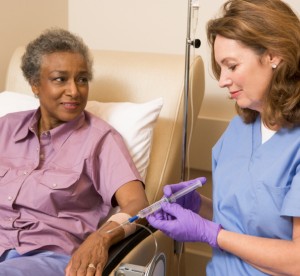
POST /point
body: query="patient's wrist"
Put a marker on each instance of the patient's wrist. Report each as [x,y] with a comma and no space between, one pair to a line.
[120,218]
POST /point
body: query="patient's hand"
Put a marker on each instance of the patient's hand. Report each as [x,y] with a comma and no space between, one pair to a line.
[90,258]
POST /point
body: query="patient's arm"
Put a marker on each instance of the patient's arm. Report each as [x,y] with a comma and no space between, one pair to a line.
[94,250]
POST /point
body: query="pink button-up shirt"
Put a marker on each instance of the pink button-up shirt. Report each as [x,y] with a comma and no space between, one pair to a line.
[54,192]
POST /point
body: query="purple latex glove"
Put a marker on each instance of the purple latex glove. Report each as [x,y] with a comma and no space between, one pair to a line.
[192,200]
[185,225]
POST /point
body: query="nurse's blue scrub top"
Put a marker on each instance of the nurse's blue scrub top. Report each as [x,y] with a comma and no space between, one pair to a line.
[256,188]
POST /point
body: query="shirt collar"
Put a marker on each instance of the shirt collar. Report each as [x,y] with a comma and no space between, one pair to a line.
[28,124]
[58,135]
[61,133]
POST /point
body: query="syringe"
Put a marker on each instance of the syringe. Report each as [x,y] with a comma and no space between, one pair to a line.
[194,184]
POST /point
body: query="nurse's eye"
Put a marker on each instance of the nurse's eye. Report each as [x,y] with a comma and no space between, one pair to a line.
[232,67]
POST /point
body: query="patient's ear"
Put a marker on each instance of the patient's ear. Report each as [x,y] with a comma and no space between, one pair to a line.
[34,88]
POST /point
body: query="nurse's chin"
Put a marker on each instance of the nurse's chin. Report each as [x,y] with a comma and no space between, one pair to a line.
[248,106]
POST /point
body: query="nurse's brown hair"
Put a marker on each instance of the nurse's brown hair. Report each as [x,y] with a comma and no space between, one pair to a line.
[265,25]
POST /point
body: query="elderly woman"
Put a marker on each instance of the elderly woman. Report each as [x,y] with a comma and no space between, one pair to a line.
[253,221]
[62,170]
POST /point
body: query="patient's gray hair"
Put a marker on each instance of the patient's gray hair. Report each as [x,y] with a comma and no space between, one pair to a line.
[51,41]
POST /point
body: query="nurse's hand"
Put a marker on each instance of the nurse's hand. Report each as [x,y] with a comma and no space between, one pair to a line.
[184,225]
[192,200]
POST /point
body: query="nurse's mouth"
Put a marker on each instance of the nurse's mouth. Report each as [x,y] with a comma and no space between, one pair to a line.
[234,94]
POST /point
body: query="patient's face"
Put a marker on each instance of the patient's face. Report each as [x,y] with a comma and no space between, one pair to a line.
[63,88]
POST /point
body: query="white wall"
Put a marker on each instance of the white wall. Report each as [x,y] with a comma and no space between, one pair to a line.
[21,21]
[134,25]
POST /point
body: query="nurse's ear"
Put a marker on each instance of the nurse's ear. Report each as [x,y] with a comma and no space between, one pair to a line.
[273,59]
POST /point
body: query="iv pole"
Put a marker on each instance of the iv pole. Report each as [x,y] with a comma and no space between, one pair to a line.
[178,246]
[196,43]
[192,4]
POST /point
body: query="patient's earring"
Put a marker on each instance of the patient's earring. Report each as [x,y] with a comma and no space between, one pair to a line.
[274,65]
[36,95]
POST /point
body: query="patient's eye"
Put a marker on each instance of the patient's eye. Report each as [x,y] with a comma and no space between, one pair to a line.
[60,79]
[82,80]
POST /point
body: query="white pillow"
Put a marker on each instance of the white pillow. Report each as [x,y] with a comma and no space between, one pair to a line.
[14,101]
[134,121]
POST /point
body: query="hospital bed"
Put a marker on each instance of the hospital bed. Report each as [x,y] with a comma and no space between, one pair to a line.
[138,78]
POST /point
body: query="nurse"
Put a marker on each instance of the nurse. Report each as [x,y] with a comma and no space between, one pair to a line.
[253,220]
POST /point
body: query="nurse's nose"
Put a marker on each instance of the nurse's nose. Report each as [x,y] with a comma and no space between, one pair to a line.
[225,80]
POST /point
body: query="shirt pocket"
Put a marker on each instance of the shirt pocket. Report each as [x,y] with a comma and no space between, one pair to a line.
[59,180]
[273,196]
[268,221]
[58,191]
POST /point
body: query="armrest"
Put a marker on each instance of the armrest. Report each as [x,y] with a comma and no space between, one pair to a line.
[118,251]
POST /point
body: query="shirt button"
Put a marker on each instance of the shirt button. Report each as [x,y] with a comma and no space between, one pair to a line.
[25,172]
[9,198]
[54,185]
[10,219]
